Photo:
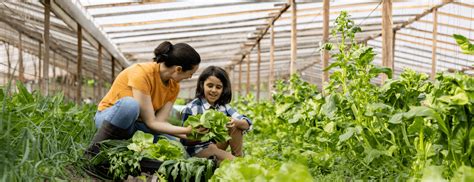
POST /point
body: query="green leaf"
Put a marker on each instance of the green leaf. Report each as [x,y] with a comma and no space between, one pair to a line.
[396,119]
[292,172]
[371,154]
[141,141]
[332,65]
[416,126]
[464,173]
[348,134]
[329,108]
[377,70]
[463,42]
[175,171]
[433,173]
[24,95]
[214,120]
[295,118]
[199,172]
[329,128]
[327,46]
[424,111]
[460,98]
[283,108]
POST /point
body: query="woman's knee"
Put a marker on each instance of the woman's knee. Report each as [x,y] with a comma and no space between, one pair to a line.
[212,147]
[127,112]
[130,105]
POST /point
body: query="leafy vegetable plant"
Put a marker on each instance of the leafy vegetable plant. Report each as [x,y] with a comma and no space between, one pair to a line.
[191,169]
[356,129]
[253,169]
[213,120]
[124,156]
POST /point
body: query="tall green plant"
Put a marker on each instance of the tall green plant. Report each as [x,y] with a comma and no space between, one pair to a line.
[42,137]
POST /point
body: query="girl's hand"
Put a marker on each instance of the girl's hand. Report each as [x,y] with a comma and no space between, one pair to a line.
[230,124]
[240,124]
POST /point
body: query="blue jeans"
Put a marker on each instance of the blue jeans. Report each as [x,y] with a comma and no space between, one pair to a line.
[124,114]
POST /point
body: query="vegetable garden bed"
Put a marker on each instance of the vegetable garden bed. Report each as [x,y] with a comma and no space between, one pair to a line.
[409,128]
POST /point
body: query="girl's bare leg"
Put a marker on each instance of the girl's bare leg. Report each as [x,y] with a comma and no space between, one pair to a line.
[213,150]
[236,142]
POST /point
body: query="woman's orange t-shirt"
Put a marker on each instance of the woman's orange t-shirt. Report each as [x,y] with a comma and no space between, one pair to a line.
[146,78]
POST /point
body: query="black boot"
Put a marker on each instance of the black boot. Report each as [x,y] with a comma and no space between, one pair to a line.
[106,131]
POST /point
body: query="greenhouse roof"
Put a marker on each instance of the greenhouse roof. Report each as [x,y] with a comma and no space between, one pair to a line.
[223,32]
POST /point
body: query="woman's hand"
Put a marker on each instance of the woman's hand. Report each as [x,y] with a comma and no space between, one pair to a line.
[239,124]
[202,130]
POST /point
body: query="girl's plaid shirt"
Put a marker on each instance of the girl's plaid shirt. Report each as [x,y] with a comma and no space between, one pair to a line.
[198,106]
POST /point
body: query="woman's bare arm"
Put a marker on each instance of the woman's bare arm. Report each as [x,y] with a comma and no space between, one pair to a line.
[157,123]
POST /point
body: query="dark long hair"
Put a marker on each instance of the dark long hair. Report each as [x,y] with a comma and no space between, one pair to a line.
[221,74]
[180,54]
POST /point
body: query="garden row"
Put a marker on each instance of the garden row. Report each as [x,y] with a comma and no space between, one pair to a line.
[409,128]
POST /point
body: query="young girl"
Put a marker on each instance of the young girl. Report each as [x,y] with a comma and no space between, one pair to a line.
[142,96]
[214,92]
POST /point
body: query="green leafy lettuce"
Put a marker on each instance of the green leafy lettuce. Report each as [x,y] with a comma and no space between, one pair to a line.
[213,120]
[254,169]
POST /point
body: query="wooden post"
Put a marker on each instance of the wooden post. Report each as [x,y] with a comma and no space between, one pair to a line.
[34,68]
[113,69]
[5,78]
[54,72]
[435,42]
[272,61]
[66,79]
[79,64]
[231,73]
[293,36]
[47,10]
[387,36]
[325,55]
[248,73]
[21,69]
[259,60]
[40,81]
[99,66]
[9,63]
[240,79]
[393,50]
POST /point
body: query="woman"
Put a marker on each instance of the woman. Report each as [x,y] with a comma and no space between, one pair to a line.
[142,96]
